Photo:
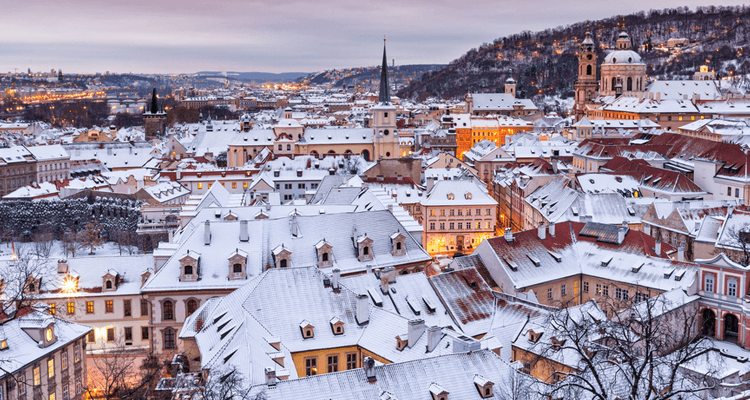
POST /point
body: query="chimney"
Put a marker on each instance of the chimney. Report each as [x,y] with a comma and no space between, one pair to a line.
[657,247]
[207,234]
[416,329]
[384,283]
[552,230]
[369,269]
[434,334]
[391,273]
[362,309]
[681,252]
[621,235]
[368,364]
[244,235]
[508,235]
[335,279]
[542,232]
[270,376]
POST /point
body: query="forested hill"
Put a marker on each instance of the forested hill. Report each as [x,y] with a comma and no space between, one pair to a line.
[544,63]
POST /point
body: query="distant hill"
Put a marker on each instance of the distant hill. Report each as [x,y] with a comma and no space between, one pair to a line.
[257,76]
[544,63]
[400,75]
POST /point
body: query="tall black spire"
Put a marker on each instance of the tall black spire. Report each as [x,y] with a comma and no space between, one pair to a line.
[385,90]
[154,103]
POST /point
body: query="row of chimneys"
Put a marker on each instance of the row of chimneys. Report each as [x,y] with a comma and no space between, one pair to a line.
[244,234]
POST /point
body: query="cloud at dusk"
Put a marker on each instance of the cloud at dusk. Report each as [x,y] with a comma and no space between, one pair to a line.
[186,36]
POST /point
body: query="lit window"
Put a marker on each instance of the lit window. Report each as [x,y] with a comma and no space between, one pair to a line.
[200,185]
[49,335]
[51,368]
[71,307]
[37,377]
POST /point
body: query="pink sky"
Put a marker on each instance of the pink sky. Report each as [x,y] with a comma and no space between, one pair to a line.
[167,36]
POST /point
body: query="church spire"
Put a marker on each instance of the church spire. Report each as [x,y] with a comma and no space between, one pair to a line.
[385,90]
[154,103]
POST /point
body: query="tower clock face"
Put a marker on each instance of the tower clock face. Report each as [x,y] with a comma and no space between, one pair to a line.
[589,56]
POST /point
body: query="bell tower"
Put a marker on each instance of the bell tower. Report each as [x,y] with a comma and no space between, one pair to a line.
[586,85]
[385,139]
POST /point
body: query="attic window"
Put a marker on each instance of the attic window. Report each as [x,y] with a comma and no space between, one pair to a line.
[451,196]
[534,260]
[467,195]
[4,344]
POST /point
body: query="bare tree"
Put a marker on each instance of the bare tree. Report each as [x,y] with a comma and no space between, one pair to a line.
[737,244]
[44,242]
[70,243]
[638,353]
[119,373]
[226,384]
[90,237]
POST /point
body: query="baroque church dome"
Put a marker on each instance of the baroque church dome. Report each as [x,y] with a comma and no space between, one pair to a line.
[623,57]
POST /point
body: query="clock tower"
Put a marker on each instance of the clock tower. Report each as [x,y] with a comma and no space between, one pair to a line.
[385,139]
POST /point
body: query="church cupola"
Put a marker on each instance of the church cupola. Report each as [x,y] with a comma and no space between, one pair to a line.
[623,41]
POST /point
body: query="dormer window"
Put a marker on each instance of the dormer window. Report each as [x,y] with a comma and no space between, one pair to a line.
[4,344]
[337,326]
[189,267]
[324,250]
[534,336]
[402,341]
[237,265]
[467,195]
[282,256]
[364,247]
[398,243]
[451,196]
[438,393]
[110,281]
[484,386]
[109,284]
[308,330]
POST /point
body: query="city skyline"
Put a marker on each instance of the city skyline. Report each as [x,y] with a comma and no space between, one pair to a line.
[85,36]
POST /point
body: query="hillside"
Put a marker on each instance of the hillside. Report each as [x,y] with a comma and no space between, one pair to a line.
[544,63]
[255,76]
[401,75]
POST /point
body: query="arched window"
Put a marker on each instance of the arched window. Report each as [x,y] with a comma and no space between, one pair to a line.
[282,264]
[366,251]
[325,257]
[630,84]
[192,305]
[169,339]
[237,268]
[109,284]
[588,70]
[614,83]
[188,270]
[167,310]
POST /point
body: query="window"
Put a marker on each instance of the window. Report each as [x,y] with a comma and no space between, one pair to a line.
[732,287]
[89,307]
[234,185]
[442,226]
[127,308]
[109,285]
[110,334]
[639,297]
[451,212]
[52,308]
[366,250]
[167,310]
[625,294]
[200,185]
[300,186]
[237,268]
[282,263]
[128,334]
[488,211]
[188,270]
[576,289]
[708,285]
[585,287]
[311,366]
[549,294]
[144,333]
[169,339]
[79,386]
[479,225]
[192,305]
[287,186]
[605,290]
[64,359]
[144,307]
[109,306]
[22,383]
[564,290]
[736,192]
[77,353]
[71,308]
[66,392]
[729,191]
[618,294]
[460,212]
[442,213]
[333,363]
[432,213]
[51,368]
[37,377]
[432,226]
[460,225]
[351,361]
[452,226]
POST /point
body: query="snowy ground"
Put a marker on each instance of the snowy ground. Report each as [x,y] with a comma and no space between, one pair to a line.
[107,249]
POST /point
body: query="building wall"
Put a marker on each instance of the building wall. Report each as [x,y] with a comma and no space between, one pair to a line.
[541,368]
[321,357]
[440,238]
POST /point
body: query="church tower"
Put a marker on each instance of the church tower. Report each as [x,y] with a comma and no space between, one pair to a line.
[385,139]
[154,120]
[586,85]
